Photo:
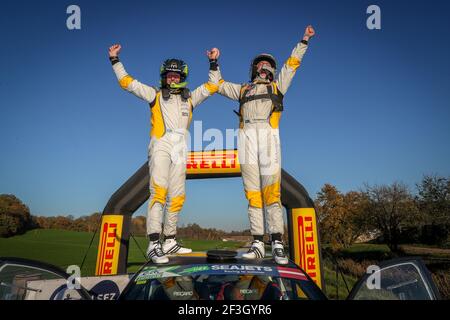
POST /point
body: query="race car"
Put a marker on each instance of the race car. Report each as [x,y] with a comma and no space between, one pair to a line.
[214,275]
[221,275]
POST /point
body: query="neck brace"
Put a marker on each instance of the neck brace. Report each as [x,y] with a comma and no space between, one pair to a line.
[180,85]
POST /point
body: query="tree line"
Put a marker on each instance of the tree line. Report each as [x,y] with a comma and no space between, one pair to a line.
[15,218]
[190,231]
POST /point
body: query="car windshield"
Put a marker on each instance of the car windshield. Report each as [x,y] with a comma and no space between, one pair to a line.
[219,282]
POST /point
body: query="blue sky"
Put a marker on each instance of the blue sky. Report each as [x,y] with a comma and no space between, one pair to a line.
[365,106]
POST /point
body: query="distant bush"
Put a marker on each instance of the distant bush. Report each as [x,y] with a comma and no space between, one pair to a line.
[355,269]
[15,217]
[84,223]
[366,252]
[411,234]
[139,226]
[434,234]
[428,234]
[89,223]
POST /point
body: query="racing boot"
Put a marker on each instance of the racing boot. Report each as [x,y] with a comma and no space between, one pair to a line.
[278,252]
[171,247]
[256,251]
[155,253]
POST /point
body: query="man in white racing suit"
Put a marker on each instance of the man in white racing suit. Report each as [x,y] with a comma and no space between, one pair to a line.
[171,108]
[261,104]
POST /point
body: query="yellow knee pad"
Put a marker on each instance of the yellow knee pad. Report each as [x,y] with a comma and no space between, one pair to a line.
[176,203]
[272,194]
[159,194]
[254,198]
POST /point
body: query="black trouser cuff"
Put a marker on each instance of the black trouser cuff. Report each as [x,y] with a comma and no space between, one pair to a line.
[258,237]
[153,236]
[276,237]
[169,237]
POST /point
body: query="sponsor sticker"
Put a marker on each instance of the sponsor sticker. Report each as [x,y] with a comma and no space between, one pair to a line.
[156,273]
[243,269]
[194,269]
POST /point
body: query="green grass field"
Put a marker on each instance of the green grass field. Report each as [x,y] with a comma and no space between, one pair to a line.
[63,248]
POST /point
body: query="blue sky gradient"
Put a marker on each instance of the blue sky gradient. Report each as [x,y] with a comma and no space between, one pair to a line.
[365,106]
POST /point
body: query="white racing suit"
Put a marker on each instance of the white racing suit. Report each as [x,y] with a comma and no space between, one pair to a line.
[170,119]
[259,144]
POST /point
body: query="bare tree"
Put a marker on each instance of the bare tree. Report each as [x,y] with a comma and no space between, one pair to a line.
[391,208]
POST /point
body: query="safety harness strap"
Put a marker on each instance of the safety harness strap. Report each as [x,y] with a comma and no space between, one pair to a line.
[244,99]
[276,97]
[272,93]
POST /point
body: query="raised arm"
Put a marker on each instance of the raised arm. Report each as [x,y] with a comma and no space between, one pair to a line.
[126,81]
[227,89]
[289,68]
[209,88]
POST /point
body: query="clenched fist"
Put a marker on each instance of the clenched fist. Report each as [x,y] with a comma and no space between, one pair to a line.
[213,54]
[309,32]
[114,50]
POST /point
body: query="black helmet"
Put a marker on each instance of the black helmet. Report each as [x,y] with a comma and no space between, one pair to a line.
[174,65]
[262,57]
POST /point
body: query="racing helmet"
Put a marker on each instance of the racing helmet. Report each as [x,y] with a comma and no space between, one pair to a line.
[262,57]
[174,65]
